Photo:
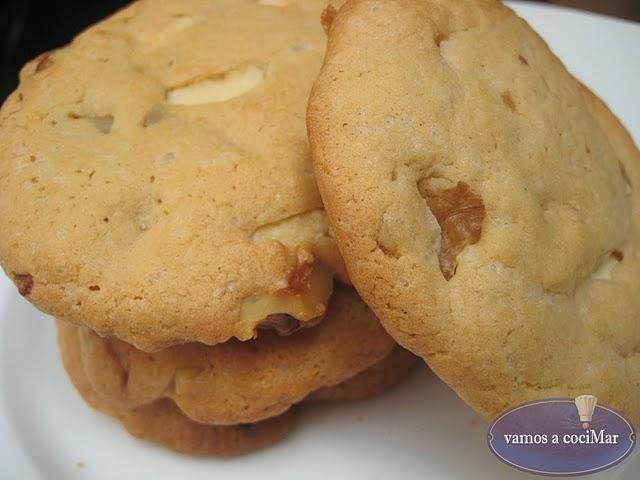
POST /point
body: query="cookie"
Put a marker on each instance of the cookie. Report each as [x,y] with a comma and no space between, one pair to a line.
[161,421]
[374,380]
[486,203]
[241,382]
[156,176]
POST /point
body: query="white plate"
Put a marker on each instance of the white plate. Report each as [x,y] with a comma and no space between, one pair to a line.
[420,430]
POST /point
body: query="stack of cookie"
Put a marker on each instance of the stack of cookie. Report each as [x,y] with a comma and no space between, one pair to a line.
[159,201]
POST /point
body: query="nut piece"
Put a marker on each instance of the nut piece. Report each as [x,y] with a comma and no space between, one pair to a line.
[305,298]
[24,282]
[298,279]
[296,229]
[460,214]
[327,16]
[217,89]
[607,265]
[44,61]
[309,230]
[309,283]
[284,324]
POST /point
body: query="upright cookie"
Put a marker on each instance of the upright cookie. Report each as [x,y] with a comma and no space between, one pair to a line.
[156,178]
[486,203]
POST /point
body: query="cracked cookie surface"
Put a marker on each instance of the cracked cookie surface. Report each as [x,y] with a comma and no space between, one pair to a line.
[487,204]
[156,176]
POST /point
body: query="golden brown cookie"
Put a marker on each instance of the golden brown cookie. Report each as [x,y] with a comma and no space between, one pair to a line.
[240,382]
[373,381]
[487,205]
[156,177]
[162,421]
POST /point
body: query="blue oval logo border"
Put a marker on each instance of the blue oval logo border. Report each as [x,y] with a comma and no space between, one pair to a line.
[489,438]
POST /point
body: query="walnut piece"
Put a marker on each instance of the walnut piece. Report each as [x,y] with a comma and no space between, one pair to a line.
[460,213]
[607,265]
[299,278]
[284,325]
[327,16]
[304,299]
[44,61]
[24,282]
[309,230]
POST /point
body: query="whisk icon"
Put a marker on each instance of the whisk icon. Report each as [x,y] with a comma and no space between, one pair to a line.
[586,404]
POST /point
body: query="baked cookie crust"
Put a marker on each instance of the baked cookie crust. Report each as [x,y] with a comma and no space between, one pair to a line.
[486,203]
[156,176]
